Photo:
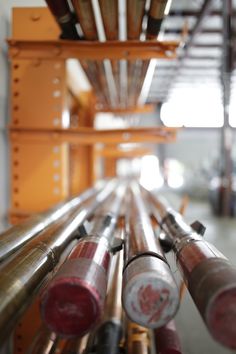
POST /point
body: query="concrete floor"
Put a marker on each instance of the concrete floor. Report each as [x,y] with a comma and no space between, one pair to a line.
[222,233]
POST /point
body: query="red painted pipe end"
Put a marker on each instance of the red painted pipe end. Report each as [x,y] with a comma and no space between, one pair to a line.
[71,307]
[221,317]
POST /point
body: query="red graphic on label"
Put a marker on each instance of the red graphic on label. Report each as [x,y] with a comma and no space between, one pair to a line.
[152,302]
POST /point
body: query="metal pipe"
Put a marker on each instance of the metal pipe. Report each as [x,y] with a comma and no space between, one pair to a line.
[109,334]
[156,15]
[135,14]
[208,275]
[22,277]
[15,237]
[75,346]
[138,339]
[109,12]
[92,31]
[73,302]
[65,19]
[150,296]
[84,12]
[167,340]
[45,342]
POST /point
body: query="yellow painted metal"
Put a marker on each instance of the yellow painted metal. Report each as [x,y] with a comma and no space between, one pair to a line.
[86,136]
[38,90]
[95,50]
[34,23]
[39,175]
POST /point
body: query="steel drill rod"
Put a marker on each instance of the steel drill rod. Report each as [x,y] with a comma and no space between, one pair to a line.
[150,295]
[65,19]
[45,342]
[109,333]
[73,302]
[22,277]
[167,339]
[156,15]
[208,275]
[15,237]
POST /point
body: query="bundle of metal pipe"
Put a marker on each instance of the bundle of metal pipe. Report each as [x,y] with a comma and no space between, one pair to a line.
[156,15]
[167,339]
[15,237]
[150,296]
[73,302]
[65,19]
[109,333]
[208,275]
[23,276]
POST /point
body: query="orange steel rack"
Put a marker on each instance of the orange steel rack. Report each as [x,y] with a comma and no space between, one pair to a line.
[53,156]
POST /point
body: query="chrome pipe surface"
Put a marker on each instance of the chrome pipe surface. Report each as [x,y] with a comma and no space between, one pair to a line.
[208,275]
[22,277]
[15,237]
[73,302]
[150,295]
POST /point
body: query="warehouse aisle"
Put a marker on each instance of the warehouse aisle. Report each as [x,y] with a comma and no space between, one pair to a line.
[222,233]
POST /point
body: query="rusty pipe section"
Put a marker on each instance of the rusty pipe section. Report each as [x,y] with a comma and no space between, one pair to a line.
[150,296]
[65,19]
[135,13]
[167,339]
[208,275]
[44,342]
[138,339]
[22,277]
[73,302]
[109,334]
[84,12]
[15,237]
[109,12]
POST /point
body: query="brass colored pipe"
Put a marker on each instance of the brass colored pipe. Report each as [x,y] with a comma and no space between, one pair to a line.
[15,237]
[138,339]
[23,276]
